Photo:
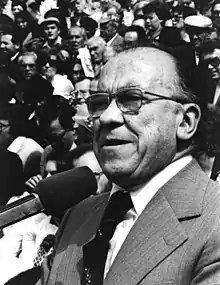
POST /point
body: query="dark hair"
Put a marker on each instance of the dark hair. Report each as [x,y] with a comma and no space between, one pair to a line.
[77,152]
[49,55]
[209,46]
[213,5]
[156,7]
[140,32]
[185,10]
[19,3]
[56,107]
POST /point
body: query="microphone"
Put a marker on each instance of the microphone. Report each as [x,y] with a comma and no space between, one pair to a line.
[53,196]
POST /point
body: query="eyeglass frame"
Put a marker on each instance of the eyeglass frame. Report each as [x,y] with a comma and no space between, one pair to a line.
[114,96]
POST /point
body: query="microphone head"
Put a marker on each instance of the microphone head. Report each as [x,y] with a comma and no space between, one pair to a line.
[64,190]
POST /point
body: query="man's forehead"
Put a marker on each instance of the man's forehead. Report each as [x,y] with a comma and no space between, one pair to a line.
[131,66]
[215,53]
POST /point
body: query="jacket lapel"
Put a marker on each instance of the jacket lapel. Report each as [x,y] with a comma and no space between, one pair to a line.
[68,263]
[158,231]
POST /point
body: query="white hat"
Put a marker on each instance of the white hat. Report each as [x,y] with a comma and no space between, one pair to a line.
[198,21]
[50,20]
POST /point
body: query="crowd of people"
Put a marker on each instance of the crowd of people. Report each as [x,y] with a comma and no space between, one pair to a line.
[62,65]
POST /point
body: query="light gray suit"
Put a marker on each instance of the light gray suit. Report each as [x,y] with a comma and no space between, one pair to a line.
[176,239]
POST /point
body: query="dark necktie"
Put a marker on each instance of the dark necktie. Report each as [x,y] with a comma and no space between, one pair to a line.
[95,252]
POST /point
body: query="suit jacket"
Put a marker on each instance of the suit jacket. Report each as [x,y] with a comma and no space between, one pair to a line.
[176,239]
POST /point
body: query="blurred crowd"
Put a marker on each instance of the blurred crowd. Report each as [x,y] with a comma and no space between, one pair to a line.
[51,55]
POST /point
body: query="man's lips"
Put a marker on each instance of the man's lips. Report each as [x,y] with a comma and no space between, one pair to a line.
[114,142]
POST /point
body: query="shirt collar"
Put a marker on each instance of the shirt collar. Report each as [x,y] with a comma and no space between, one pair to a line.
[57,42]
[142,196]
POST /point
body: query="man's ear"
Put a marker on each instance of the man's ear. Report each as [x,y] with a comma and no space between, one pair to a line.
[190,120]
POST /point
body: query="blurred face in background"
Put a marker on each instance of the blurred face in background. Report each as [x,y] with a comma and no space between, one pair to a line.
[49,68]
[7,45]
[130,39]
[17,9]
[82,92]
[78,73]
[216,16]
[152,22]
[51,31]
[79,6]
[96,50]
[28,66]
[51,168]
[76,38]
[5,136]
[212,61]
[21,23]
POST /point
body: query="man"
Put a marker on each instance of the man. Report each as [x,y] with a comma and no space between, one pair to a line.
[51,27]
[215,15]
[96,46]
[199,29]
[33,89]
[109,32]
[147,126]
[77,38]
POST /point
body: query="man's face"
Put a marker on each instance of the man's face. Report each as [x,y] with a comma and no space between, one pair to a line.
[130,39]
[6,45]
[59,138]
[51,31]
[51,168]
[212,60]
[79,6]
[131,148]
[17,9]
[96,51]
[76,38]
[216,16]
[28,67]
[77,73]
[107,31]
[152,22]
[198,37]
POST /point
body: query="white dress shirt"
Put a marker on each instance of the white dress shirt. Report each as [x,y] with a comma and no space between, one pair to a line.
[140,198]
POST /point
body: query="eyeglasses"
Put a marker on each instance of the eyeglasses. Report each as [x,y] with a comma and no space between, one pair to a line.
[50,61]
[31,65]
[129,101]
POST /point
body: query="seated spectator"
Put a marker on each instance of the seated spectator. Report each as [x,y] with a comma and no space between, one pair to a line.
[55,119]
[84,155]
[51,68]
[109,31]
[133,36]
[13,137]
[96,46]
[32,89]
[199,29]
[51,28]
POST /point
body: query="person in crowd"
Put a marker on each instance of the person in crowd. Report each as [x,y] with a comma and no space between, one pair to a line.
[18,6]
[84,155]
[139,21]
[33,88]
[96,47]
[199,29]
[77,39]
[77,72]
[133,36]
[51,28]
[50,66]
[55,120]
[215,16]
[163,210]
[14,137]
[10,46]
[109,32]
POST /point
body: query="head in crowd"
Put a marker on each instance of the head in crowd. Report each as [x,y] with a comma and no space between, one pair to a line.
[96,46]
[49,64]
[55,119]
[77,38]
[28,64]
[132,139]
[81,93]
[187,3]
[78,6]
[112,9]
[53,165]
[77,72]
[210,56]
[18,6]
[108,53]
[9,43]
[21,20]
[133,36]
[153,17]
[13,123]
[179,13]
[215,14]
[139,21]
[108,28]
[199,29]
[51,28]
[84,155]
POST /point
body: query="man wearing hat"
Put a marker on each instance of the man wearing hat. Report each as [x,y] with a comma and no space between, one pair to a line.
[199,29]
[51,28]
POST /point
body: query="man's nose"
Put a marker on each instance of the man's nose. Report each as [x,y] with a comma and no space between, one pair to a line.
[2,45]
[112,114]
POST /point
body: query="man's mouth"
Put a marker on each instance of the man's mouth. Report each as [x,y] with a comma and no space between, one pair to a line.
[114,142]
